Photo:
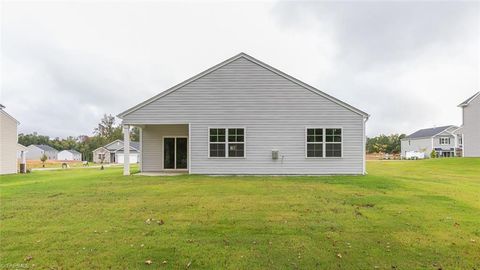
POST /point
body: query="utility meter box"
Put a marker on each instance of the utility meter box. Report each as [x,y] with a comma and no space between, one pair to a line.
[275,154]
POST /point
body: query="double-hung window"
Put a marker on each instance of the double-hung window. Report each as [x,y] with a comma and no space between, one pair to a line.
[217,142]
[444,140]
[315,142]
[226,142]
[333,142]
[324,142]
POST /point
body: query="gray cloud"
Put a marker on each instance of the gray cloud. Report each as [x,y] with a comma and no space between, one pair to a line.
[406,63]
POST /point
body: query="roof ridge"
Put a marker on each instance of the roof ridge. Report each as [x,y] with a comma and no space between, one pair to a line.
[255,61]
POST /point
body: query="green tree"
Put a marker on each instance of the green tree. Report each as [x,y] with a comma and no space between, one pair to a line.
[390,144]
[43,158]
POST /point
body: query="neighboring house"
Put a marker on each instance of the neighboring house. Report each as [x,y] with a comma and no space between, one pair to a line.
[69,155]
[21,150]
[36,151]
[8,142]
[470,129]
[243,116]
[442,140]
[113,153]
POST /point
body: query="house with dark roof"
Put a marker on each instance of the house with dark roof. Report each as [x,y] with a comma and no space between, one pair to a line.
[69,155]
[443,140]
[36,151]
[470,129]
[114,153]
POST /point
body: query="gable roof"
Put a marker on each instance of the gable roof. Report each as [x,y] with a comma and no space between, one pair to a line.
[73,151]
[112,147]
[466,102]
[133,146]
[428,132]
[45,147]
[256,61]
[8,115]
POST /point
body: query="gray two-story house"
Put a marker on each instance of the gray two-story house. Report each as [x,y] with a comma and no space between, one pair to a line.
[442,140]
[243,116]
[470,129]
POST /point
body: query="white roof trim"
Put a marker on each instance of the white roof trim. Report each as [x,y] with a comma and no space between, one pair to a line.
[122,148]
[468,101]
[8,115]
[258,62]
[445,130]
[117,140]
[100,148]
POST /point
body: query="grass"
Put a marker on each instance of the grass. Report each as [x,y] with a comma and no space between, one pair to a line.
[33,164]
[403,215]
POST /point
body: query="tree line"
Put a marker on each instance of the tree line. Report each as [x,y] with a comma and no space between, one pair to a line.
[385,144]
[105,132]
[108,130]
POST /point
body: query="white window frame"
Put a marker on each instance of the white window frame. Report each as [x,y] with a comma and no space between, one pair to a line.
[306,142]
[227,142]
[444,140]
[324,153]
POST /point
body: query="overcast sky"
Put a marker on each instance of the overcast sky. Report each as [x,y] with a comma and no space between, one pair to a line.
[408,64]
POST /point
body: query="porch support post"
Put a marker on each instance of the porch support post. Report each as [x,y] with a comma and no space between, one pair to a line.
[126,150]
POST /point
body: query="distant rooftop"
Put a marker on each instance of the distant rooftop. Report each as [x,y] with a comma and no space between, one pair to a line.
[73,151]
[466,102]
[427,132]
[45,147]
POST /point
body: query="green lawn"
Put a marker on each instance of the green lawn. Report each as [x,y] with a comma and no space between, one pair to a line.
[403,215]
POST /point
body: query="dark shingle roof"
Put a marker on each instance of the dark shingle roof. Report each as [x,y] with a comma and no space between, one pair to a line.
[135,145]
[45,147]
[427,132]
[465,103]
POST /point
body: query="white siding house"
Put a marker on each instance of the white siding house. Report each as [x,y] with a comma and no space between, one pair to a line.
[8,142]
[442,140]
[470,129]
[69,155]
[243,116]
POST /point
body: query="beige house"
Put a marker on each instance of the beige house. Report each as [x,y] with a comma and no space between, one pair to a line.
[113,153]
[8,142]
[470,129]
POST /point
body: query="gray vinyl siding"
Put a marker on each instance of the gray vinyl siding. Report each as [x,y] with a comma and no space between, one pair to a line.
[471,128]
[35,153]
[418,145]
[273,110]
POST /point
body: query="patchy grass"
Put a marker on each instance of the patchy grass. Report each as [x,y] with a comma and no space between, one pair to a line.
[33,164]
[403,215]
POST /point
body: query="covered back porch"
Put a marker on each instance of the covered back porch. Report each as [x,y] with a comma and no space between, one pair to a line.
[164,148]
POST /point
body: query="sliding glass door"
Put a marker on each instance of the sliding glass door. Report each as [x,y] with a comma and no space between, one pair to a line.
[175,153]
